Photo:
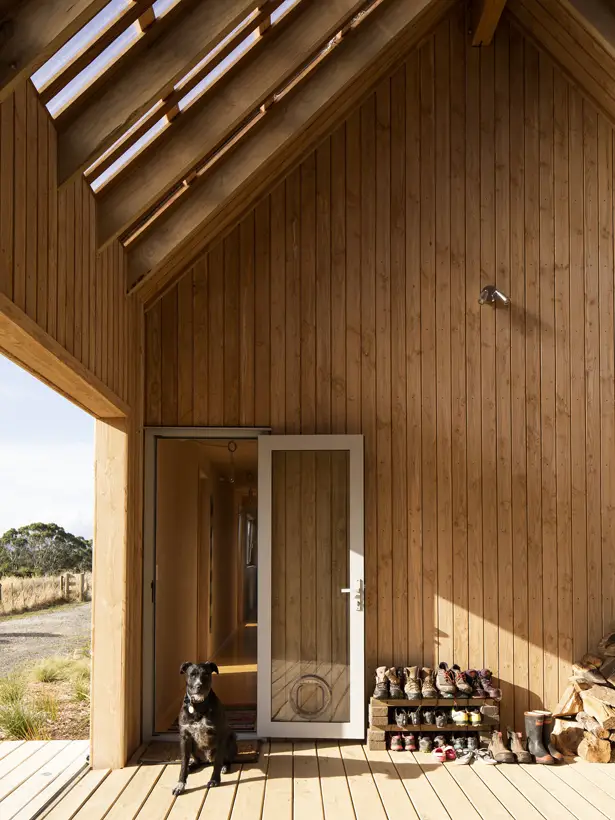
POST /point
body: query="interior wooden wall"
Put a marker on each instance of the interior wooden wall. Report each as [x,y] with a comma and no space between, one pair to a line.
[49,266]
[347,302]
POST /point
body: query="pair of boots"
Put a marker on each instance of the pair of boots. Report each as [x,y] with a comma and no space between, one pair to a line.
[388,683]
[538,728]
[510,750]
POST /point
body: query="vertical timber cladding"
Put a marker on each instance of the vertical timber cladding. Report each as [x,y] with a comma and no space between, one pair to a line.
[346,301]
[49,266]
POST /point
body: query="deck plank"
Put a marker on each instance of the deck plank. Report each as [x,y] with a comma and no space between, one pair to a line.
[17,756]
[246,799]
[70,803]
[563,792]
[539,797]
[188,805]
[29,767]
[583,778]
[278,802]
[392,792]
[507,794]
[161,798]
[7,747]
[336,799]
[422,795]
[40,787]
[135,794]
[365,796]
[455,801]
[484,801]
[106,794]
[307,798]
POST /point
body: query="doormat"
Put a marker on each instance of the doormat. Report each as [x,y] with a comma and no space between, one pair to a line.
[240,720]
[166,751]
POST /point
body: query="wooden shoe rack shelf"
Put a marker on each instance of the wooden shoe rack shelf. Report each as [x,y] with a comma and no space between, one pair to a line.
[381,712]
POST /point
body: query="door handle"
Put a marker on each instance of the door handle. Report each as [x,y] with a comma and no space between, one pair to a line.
[358,594]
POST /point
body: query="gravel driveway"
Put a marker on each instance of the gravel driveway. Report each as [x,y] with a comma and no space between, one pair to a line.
[27,639]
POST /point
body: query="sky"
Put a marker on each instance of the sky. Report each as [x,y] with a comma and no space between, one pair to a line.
[46,456]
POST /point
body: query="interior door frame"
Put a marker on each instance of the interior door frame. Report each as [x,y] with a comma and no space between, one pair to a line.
[148,649]
[355,727]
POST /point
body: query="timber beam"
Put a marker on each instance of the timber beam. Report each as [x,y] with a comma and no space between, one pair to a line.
[145,75]
[32,31]
[211,121]
[486,16]
[286,131]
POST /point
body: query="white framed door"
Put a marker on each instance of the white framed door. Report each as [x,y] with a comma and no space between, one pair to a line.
[311,587]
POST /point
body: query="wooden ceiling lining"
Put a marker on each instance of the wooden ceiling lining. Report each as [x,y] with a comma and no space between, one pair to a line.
[166,53]
[170,107]
[166,247]
[205,128]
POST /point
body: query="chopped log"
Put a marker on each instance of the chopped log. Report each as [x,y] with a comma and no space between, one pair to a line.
[604,693]
[566,736]
[570,702]
[584,672]
[592,660]
[591,725]
[607,670]
[606,646]
[603,712]
[594,750]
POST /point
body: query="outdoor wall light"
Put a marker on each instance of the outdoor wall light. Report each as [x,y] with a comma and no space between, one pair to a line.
[490,295]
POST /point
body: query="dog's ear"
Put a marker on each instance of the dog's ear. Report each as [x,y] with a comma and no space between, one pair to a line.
[184,666]
[213,667]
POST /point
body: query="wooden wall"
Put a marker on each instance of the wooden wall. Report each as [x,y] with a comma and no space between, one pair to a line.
[347,302]
[49,266]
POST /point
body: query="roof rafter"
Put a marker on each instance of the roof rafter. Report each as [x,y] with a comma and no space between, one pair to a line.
[32,31]
[290,126]
[487,15]
[210,122]
[169,49]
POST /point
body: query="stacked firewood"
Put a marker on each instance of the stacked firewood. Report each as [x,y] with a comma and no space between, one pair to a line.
[585,715]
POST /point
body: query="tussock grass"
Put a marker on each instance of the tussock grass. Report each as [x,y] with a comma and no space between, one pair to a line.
[52,670]
[12,690]
[22,721]
[47,703]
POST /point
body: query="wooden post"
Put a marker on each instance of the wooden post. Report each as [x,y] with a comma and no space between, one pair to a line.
[82,586]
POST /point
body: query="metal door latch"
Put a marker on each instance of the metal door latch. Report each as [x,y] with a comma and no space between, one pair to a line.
[358,594]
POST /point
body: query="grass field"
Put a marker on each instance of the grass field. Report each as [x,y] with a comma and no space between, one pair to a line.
[18,595]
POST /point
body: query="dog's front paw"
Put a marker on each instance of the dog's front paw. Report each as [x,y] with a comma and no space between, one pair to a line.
[179,788]
[212,783]
[226,768]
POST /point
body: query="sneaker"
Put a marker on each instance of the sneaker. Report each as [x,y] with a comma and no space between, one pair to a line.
[472,743]
[441,719]
[499,751]
[415,717]
[465,758]
[397,744]
[475,717]
[410,743]
[412,689]
[429,718]
[428,683]
[461,682]
[439,740]
[460,716]
[490,710]
[401,718]
[459,743]
[439,754]
[381,690]
[394,677]
[450,753]
[445,681]
[477,688]
[485,756]
[425,743]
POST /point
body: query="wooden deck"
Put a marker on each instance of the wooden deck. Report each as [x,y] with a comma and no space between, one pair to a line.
[307,782]
[33,772]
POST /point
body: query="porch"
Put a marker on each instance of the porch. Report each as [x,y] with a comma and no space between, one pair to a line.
[341,781]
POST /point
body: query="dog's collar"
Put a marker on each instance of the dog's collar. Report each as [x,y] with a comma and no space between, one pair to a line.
[190,701]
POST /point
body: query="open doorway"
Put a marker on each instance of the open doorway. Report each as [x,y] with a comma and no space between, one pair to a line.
[205,570]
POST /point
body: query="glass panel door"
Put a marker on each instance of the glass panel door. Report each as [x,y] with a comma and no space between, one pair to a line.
[310,681]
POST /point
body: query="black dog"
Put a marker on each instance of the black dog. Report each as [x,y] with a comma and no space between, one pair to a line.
[203,730]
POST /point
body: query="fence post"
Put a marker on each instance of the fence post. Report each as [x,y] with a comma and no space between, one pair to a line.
[82,586]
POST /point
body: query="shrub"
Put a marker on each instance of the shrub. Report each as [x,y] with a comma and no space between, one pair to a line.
[19,721]
[12,690]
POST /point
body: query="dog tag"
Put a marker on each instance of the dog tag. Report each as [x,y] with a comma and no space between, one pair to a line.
[191,709]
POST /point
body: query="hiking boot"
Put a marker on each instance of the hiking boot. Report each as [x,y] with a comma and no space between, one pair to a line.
[394,678]
[410,743]
[425,743]
[401,718]
[445,681]
[487,684]
[461,682]
[412,688]
[477,687]
[517,747]
[381,690]
[428,683]
[499,750]
[441,719]
[415,717]
[397,744]
[429,718]
[547,729]
[534,726]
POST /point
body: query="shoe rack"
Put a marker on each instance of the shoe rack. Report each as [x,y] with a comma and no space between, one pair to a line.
[382,718]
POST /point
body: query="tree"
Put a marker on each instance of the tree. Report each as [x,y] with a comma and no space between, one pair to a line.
[43,549]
